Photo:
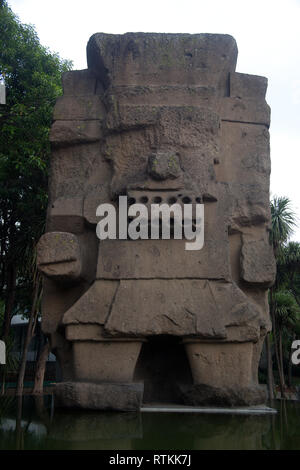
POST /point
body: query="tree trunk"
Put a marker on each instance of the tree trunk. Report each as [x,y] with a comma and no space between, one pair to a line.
[40,371]
[280,372]
[29,335]
[281,356]
[290,364]
[279,367]
[42,412]
[9,303]
[270,368]
[294,292]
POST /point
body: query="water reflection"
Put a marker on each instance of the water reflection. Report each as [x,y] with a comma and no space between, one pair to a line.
[33,423]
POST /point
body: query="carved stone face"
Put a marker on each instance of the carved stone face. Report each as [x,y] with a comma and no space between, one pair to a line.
[174,146]
[159,118]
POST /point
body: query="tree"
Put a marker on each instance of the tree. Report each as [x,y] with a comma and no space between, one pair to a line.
[288,269]
[32,76]
[283,221]
[287,314]
[288,281]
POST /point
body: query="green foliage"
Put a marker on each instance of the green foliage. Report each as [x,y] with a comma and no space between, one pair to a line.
[286,310]
[283,221]
[284,296]
[32,76]
[288,269]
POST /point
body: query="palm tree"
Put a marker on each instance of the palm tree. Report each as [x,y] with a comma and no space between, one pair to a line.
[287,314]
[288,276]
[288,269]
[283,220]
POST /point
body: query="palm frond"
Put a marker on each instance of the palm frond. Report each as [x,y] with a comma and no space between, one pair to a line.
[283,220]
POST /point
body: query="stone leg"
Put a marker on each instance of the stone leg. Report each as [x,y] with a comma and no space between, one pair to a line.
[103,374]
[105,361]
[222,374]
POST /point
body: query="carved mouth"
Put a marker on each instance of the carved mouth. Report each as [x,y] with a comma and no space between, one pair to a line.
[154,197]
[163,197]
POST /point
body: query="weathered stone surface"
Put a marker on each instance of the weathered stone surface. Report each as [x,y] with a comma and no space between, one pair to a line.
[245,156]
[105,396]
[146,58]
[88,309]
[66,215]
[192,132]
[59,256]
[243,85]
[165,95]
[57,299]
[257,262]
[105,360]
[87,332]
[160,118]
[207,395]
[65,257]
[181,308]
[76,170]
[65,133]
[210,363]
[245,110]
[164,165]
[80,83]
[99,194]
[79,108]
[250,205]
[123,259]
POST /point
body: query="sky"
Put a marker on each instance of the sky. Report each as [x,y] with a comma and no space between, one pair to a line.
[267,34]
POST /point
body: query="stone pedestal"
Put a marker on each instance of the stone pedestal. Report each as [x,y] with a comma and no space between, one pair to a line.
[101,396]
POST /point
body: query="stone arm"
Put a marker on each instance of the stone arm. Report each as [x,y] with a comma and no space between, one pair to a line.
[63,257]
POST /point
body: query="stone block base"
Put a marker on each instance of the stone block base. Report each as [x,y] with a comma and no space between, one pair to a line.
[102,396]
[206,395]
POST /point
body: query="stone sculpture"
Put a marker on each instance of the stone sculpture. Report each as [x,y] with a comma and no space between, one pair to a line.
[164,118]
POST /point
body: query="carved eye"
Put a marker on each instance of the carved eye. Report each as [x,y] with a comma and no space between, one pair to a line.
[186,200]
[144,199]
[131,201]
[198,199]
[157,199]
[172,200]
